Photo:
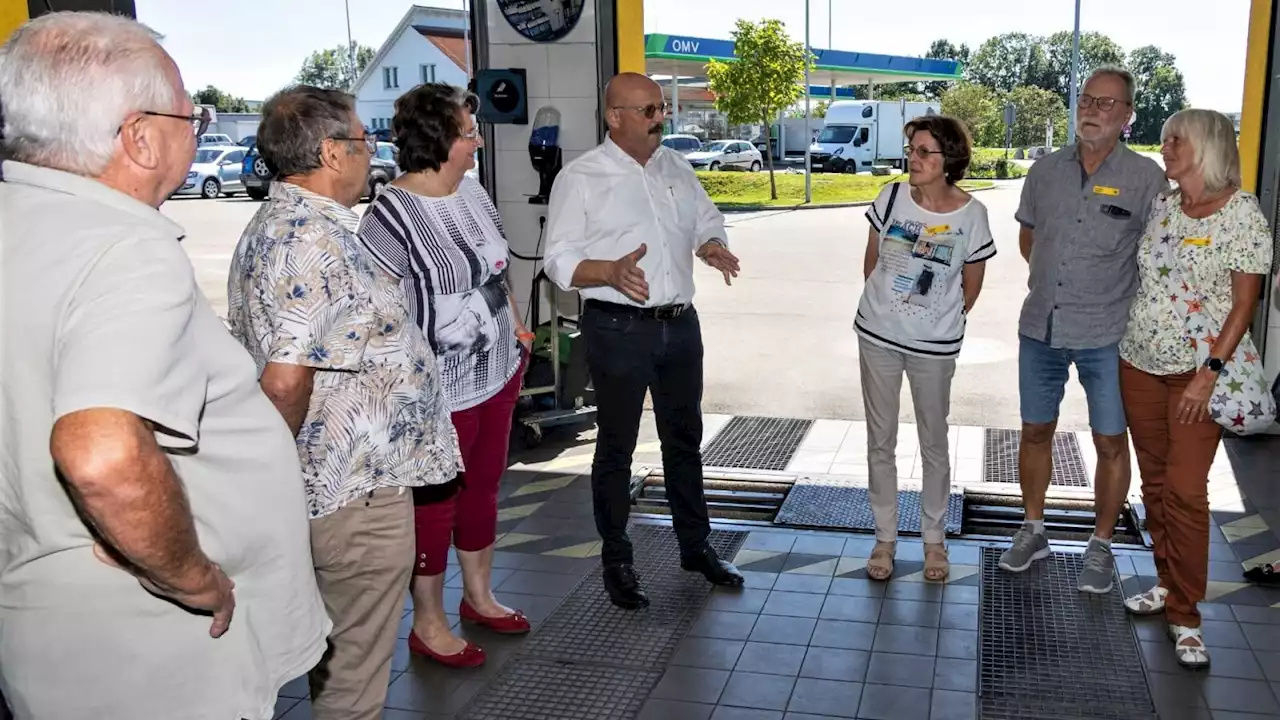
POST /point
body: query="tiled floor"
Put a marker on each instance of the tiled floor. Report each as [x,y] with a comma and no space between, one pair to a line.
[811,637]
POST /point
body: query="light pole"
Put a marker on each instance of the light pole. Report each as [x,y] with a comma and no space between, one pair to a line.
[808,121]
[1075,78]
[351,47]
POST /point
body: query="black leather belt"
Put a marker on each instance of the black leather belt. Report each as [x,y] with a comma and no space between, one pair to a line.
[661,312]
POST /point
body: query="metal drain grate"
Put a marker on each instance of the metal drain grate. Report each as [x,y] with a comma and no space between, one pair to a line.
[756,443]
[843,504]
[542,690]
[1000,459]
[591,659]
[1050,652]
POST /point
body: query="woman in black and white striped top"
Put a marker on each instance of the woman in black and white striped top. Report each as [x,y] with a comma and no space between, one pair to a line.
[438,232]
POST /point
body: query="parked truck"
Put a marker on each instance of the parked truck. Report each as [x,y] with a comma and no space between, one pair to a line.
[862,134]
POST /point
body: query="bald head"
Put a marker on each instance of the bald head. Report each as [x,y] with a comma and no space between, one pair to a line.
[635,112]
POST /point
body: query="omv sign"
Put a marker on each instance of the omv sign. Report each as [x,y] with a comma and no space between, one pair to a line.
[684,46]
[698,47]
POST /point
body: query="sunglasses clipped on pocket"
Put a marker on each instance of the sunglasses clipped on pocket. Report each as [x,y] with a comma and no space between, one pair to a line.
[1116,212]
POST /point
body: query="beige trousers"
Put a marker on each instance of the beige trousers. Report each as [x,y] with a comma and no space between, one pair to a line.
[930,381]
[363,555]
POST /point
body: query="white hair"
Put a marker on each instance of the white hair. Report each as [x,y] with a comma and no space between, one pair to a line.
[1212,137]
[68,80]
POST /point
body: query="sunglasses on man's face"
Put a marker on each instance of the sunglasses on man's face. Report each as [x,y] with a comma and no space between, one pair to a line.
[647,110]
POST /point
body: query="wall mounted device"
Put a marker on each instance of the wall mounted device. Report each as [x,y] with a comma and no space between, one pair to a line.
[504,98]
[544,151]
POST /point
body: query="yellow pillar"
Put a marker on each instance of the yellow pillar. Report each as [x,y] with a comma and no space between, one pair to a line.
[12,14]
[1255,90]
[630,19]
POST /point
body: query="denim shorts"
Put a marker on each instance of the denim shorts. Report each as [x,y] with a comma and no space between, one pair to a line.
[1042,381]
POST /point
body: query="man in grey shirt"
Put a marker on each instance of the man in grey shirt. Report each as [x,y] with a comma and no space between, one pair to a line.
[1083,212]
[154,550]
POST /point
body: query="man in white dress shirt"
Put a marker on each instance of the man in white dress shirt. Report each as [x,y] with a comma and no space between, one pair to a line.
[625,223]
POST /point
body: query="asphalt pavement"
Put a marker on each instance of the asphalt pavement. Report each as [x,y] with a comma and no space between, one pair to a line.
[780,341]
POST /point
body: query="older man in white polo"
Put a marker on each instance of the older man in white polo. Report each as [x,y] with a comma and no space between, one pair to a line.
[154,548]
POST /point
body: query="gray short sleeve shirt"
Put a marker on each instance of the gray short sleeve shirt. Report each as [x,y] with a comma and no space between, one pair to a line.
[1084,272]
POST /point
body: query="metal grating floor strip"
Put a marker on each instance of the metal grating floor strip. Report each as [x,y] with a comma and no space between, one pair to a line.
[843,504]
[756,443]
[591,659]
[1050,652]
[1000,459]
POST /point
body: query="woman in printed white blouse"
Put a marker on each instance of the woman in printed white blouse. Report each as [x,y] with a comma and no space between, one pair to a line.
[437,231]
[1188,367]
[926,254]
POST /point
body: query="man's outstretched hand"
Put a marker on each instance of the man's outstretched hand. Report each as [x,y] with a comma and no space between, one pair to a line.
[719,257]
[627,278]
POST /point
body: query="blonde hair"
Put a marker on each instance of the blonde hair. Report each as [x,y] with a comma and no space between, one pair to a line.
[1212,137]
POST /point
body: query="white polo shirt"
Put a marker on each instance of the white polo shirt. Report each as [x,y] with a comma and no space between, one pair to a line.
[914,300]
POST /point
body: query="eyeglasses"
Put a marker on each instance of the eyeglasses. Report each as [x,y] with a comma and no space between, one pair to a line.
[1104,103]
[370,141]
[647,110]
[922,152]
[199,121]
[475,133]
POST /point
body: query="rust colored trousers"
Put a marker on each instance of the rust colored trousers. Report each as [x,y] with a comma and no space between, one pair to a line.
[1174,460]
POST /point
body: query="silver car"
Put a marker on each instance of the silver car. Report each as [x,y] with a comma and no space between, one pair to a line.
[215,171]
[726,155]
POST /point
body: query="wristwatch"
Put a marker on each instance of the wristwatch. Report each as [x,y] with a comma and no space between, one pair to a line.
[1214,364]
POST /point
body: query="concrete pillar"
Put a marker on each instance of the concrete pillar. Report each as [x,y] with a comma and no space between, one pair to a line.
[871,89]
[675,99]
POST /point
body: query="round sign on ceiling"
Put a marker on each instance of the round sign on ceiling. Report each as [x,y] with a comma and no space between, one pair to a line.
[542,20]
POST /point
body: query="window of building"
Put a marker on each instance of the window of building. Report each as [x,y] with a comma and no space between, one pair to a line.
[390,78]
[428,73]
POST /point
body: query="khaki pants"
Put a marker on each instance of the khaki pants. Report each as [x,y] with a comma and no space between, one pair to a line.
[363,555]
[930,381]
[1174,461]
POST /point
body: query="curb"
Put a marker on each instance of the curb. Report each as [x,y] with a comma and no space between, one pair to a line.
[732,207]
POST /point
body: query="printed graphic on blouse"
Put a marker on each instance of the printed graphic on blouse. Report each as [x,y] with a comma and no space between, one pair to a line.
[914,300]
[303,291]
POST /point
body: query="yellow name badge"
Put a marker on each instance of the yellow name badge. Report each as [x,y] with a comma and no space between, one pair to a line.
[1197,241]
[1104,190]
[937,229]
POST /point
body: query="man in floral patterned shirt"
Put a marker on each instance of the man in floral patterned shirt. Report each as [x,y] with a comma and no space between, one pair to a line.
[352,375]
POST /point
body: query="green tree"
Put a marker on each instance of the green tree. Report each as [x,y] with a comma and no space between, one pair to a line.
[1096,50]
[1161,92]
[764,79]
[331,68]
[943,50]
[819,109]
[980,109]
[1007,61]
[899,91]
[221,101]
[1035,106]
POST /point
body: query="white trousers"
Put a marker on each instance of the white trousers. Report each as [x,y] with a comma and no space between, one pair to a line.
[930,381]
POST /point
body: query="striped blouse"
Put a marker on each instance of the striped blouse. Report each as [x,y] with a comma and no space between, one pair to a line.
[450,256]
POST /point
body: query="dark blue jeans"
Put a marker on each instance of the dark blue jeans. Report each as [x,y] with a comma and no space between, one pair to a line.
[629,352]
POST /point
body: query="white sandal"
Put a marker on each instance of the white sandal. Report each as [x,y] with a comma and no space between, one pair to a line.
[1188,647]
[1150,602]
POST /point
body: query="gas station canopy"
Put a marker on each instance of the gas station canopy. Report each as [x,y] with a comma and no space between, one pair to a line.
[684,56]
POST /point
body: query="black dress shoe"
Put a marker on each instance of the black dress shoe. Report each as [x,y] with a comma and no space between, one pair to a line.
[624,587]
[717,571]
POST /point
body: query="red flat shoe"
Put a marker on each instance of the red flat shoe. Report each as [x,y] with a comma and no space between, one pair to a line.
[469,657]
[514,623]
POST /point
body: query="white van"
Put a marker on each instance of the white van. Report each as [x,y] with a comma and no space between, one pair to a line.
[860,134]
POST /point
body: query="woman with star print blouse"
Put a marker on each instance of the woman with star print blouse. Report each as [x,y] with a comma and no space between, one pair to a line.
[1202,262]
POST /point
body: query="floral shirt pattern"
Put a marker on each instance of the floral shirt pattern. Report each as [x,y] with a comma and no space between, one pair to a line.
[1204,252]
[303,291]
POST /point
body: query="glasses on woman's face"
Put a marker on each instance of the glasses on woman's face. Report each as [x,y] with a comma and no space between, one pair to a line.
[647,110]
[921,151]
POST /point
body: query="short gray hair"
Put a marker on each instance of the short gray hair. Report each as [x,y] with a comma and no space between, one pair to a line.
[1130,85]
[295,123]
[68,80]
[1212,137]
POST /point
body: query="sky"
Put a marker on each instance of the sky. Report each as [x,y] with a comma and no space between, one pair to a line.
[251,48]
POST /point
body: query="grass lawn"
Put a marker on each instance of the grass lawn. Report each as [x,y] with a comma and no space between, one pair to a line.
[728,189]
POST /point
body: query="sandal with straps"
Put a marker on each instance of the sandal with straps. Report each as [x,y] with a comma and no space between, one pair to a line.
[1150,602]
[936,563]
[880,564]
[1188,647]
